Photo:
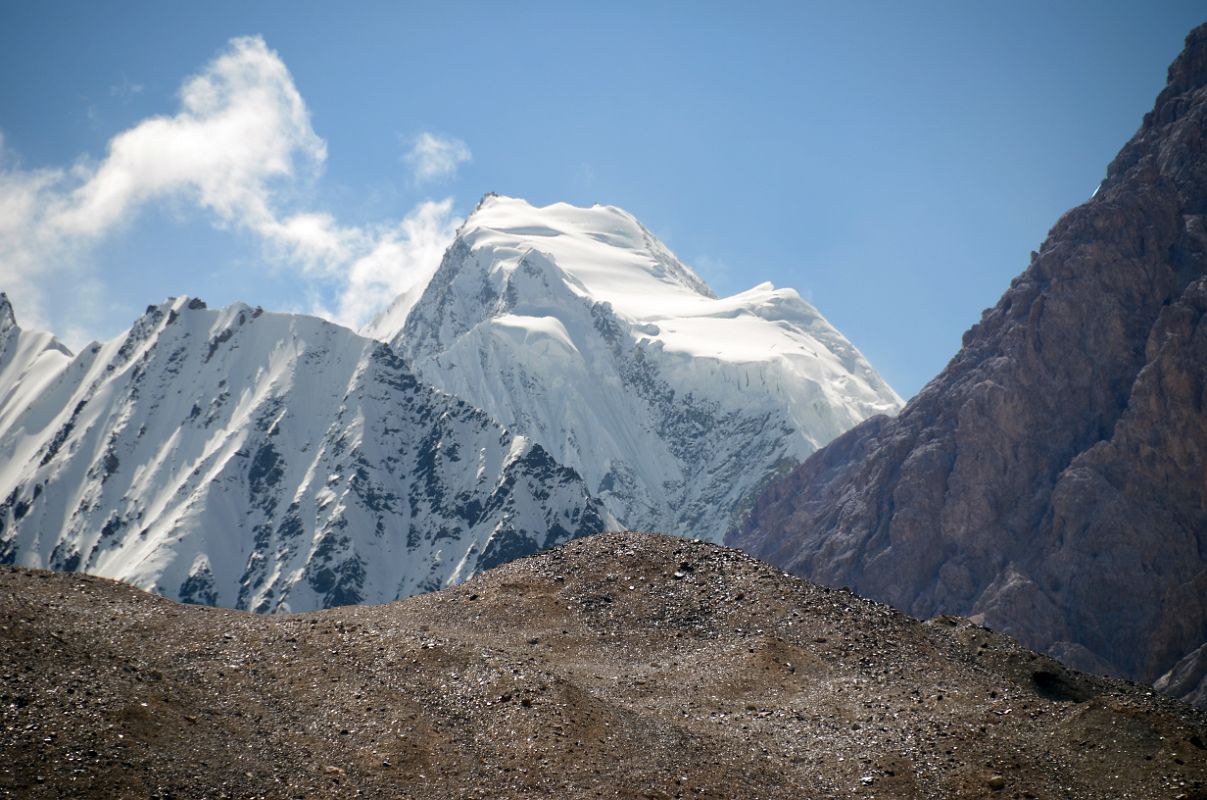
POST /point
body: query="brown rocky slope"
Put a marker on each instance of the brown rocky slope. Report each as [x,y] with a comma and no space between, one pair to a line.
[1052,480]
[622,665]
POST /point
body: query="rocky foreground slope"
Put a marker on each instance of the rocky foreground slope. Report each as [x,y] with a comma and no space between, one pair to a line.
[621,665]
[1052,481]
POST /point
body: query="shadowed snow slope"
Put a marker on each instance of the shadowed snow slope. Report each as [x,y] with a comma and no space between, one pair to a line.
[581,330]
[261,461]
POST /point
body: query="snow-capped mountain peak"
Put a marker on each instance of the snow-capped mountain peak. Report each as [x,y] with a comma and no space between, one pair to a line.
[561,372]
[27,360]
[577,327]
[7,319]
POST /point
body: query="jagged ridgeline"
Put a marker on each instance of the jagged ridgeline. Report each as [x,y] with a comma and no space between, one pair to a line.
[262,461]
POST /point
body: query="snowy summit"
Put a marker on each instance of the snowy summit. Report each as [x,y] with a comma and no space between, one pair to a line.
[580,329]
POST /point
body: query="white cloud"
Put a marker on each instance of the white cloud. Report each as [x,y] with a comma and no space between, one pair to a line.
[242,123]
[432,157]
[400,257]
[239,142]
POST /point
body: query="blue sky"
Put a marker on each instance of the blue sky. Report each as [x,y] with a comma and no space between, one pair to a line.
[894,162]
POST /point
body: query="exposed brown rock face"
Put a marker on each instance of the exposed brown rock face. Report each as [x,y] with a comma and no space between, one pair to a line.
[624,666]
[1052,480]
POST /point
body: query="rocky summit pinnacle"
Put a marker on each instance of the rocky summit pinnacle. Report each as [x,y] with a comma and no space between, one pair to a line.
[8,319]
[1051,480]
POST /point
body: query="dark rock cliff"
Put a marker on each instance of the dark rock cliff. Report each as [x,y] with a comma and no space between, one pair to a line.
[1052,480]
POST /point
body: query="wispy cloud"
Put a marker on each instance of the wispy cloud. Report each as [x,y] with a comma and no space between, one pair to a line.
[240,140]
[432,157]
[396,259]
[125,90]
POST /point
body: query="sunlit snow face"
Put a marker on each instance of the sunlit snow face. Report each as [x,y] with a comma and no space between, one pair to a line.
[579,328]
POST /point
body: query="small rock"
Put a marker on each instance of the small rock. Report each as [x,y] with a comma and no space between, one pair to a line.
[996,783]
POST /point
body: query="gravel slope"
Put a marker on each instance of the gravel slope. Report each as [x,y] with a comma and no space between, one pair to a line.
[621,665]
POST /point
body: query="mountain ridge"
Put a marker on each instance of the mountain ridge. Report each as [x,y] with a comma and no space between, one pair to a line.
[1050,480]
[268,461]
